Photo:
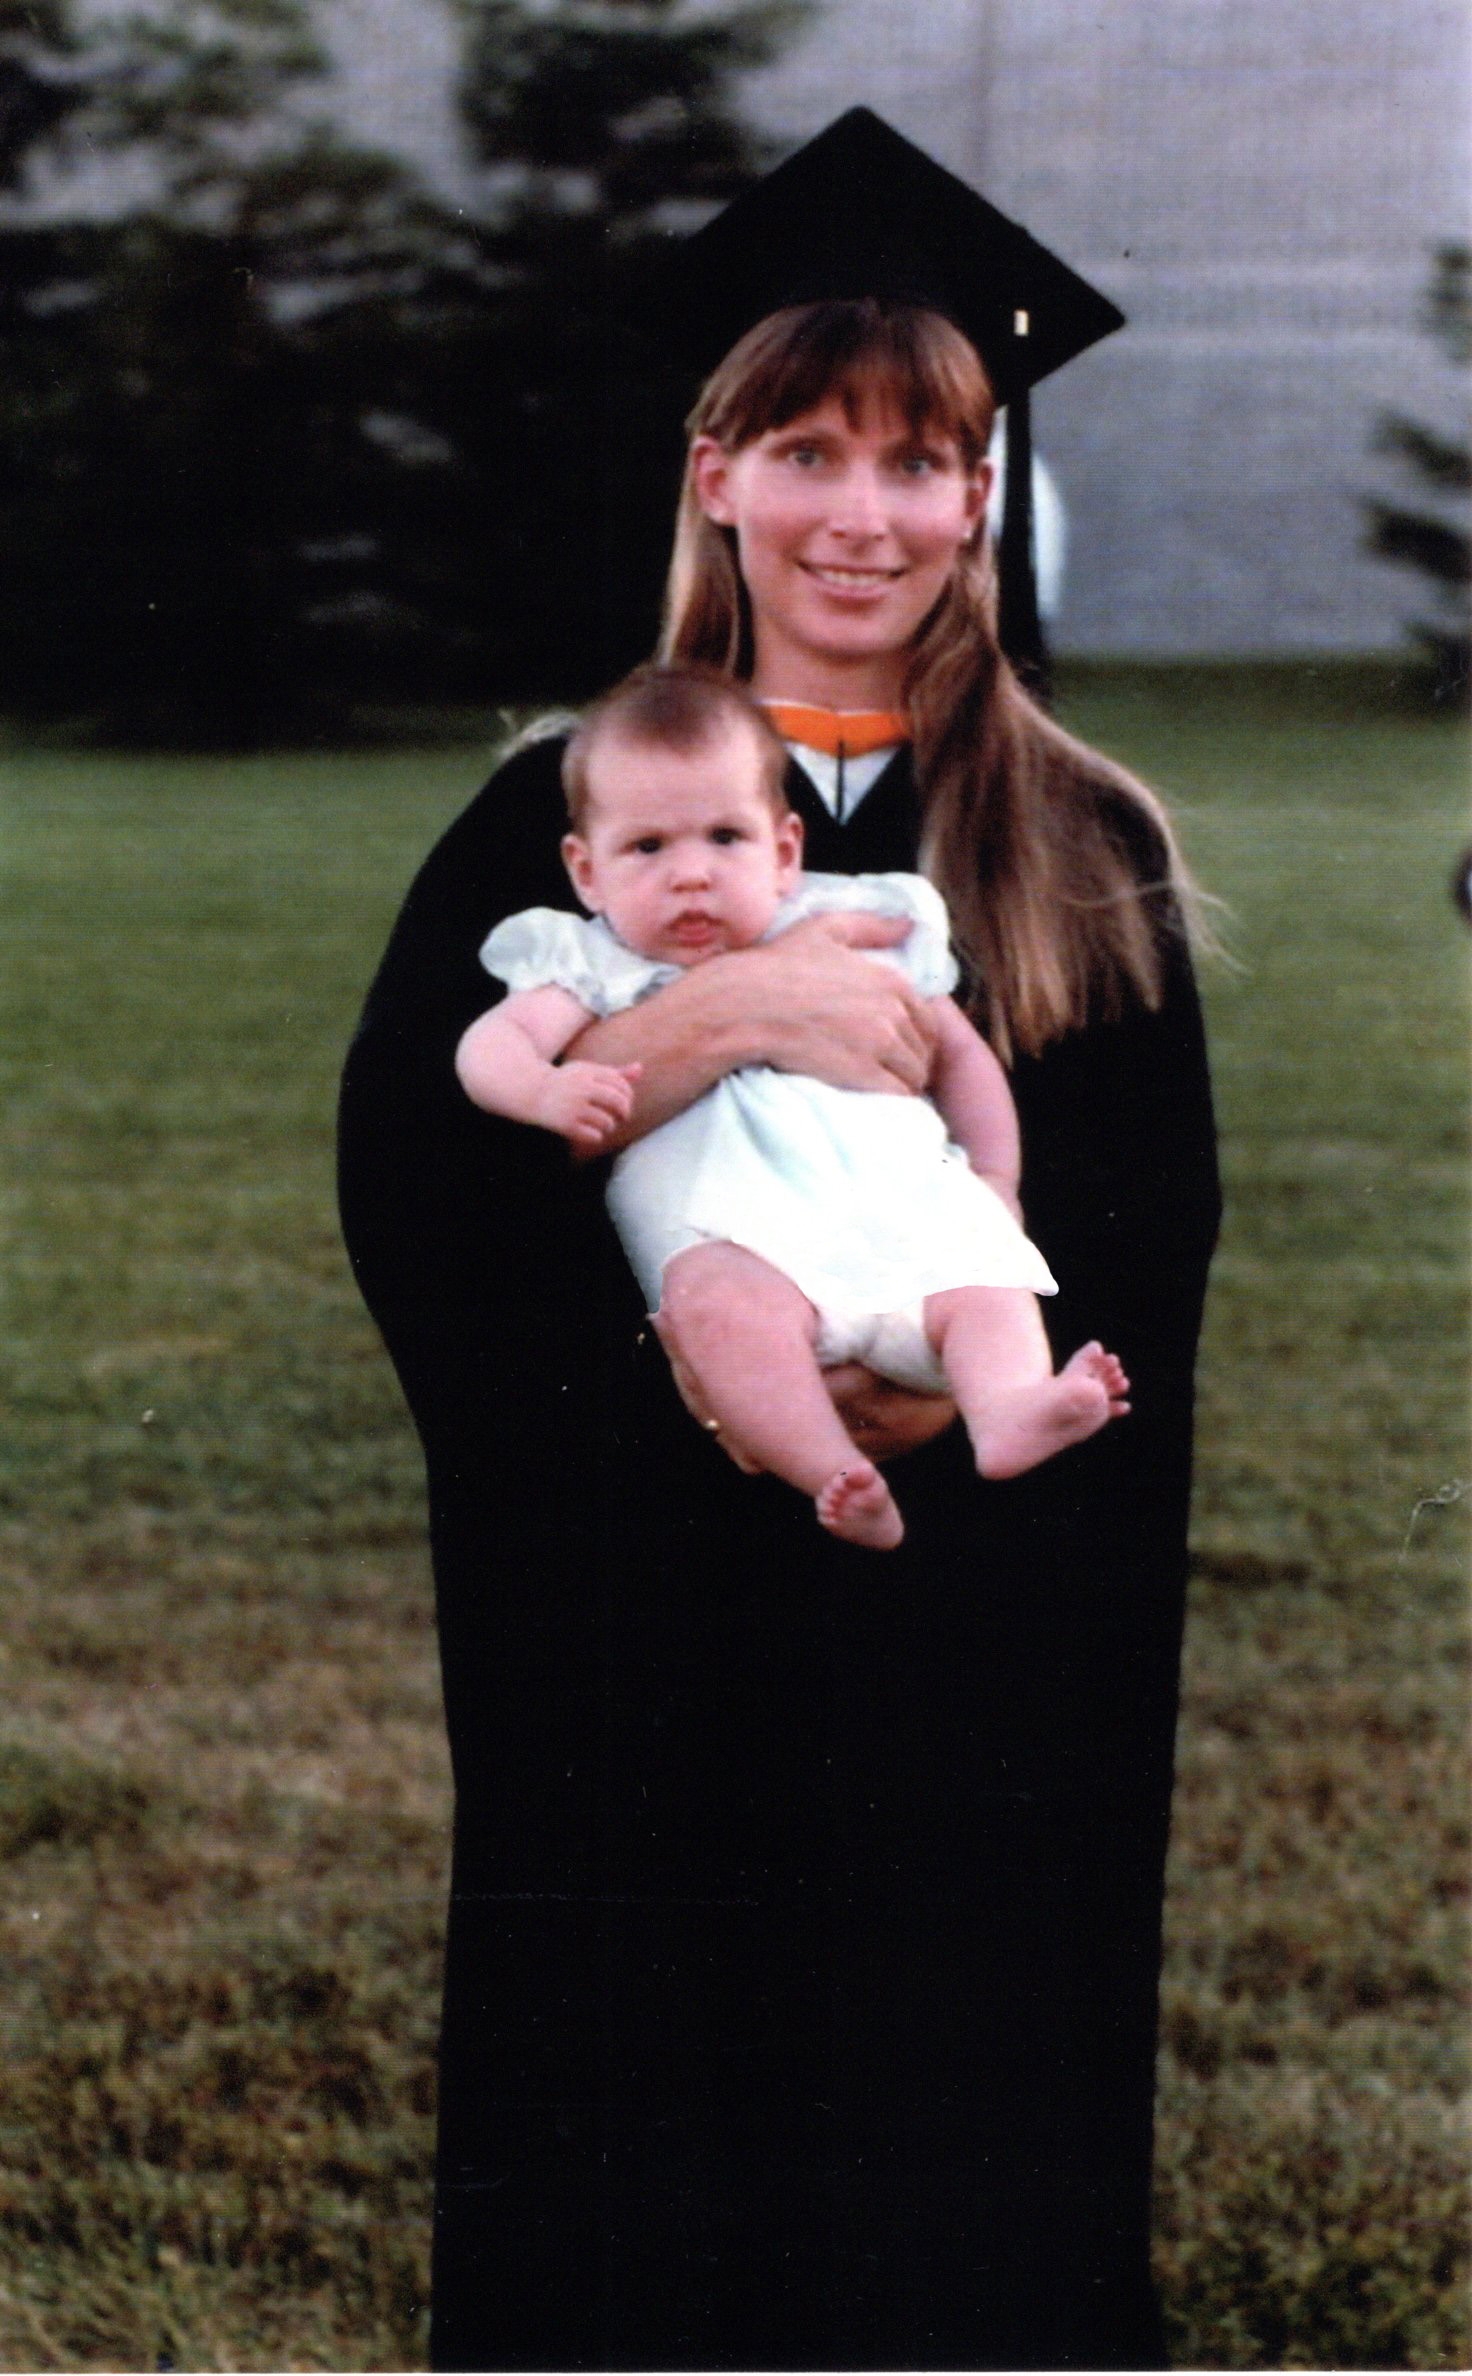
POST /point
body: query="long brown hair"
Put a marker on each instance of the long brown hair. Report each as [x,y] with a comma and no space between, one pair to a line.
[1059,869]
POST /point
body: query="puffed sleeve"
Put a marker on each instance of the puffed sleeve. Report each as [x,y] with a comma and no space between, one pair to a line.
[576,953]
[924,956]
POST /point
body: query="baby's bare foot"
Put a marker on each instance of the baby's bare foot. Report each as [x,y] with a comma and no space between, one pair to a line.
[858,1505]
[1095,1362]
[1019,1431]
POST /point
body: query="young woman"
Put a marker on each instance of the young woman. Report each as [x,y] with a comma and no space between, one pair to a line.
[804,1934]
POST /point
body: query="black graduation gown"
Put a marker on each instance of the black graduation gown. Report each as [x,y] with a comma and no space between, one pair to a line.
[804,1929]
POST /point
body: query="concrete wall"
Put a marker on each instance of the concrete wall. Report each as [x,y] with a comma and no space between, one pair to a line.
[1259,184]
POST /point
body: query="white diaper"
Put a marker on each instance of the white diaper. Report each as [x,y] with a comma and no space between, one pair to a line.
[892,1344]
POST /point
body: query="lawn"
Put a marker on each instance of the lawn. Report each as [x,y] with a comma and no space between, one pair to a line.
[223,1792]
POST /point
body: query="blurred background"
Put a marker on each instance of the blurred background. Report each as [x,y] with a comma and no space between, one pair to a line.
[322,385]
[328,450]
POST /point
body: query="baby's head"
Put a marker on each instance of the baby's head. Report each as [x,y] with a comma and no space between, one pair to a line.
[681,836]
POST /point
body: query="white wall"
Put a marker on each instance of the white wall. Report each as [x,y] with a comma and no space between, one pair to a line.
[1257,182]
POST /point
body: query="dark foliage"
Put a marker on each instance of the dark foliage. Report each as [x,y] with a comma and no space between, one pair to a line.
[287,433]
[1431,536]
[35,93]
[183,457]
[596,131]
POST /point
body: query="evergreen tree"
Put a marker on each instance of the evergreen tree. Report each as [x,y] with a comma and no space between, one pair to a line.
[195,479]
[36,51]
[1431,536]
[598,128]
[280,431]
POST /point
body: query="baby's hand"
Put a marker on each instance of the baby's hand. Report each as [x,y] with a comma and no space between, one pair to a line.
[585,1103]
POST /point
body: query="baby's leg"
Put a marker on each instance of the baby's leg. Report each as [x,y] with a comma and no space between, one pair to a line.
[746,1335]
[992,1346]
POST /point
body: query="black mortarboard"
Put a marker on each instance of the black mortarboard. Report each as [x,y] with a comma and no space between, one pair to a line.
[861,212]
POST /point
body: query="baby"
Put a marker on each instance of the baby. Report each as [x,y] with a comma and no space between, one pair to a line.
[781,1225]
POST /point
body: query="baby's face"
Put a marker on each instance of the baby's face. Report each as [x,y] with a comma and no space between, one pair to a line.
[680,851]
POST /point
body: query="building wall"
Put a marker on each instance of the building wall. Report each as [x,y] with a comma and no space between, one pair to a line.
[1259,185]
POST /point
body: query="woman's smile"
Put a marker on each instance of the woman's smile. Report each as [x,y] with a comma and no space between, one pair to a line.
[840,578]
[848,523]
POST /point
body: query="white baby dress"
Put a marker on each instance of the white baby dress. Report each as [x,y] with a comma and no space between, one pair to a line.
[859,1198]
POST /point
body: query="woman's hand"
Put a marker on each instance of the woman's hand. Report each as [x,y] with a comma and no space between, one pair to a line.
[810,1002]
[884,1420]
[830,1012]
[693,1400]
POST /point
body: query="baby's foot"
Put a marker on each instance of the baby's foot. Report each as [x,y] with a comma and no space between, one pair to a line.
[1020,1430]
[858,1505]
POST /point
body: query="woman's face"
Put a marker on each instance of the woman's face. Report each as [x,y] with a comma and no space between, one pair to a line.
[846,534]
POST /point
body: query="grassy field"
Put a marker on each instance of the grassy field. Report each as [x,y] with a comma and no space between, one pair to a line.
[222,1782]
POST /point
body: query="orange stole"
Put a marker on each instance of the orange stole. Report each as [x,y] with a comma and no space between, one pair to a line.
[842,734]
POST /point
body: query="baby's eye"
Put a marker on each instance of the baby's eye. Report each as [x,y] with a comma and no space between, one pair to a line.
[648,845]
[724,835]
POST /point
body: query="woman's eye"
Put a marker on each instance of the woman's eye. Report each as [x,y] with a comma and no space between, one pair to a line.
[919,465]
[805,457]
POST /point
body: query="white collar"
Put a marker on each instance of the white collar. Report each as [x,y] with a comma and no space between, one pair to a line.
[859,776]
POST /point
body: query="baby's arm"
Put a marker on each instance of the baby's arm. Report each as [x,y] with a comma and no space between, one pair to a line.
[505,1063]
[809,1002]
[969,1086]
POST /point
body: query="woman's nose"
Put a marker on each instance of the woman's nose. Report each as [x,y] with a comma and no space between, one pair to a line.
[858,504]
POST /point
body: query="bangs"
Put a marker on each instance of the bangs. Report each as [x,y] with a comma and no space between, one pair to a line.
[863,353]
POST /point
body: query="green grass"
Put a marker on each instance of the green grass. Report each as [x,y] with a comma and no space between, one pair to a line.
[1311,2210]
[223,1791]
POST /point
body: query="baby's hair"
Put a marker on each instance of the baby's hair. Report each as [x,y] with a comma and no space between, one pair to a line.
[678,705]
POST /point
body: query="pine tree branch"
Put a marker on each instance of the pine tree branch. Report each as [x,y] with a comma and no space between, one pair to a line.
[1444,463]
[1421,542]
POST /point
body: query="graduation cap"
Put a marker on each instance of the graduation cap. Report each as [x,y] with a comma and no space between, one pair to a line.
[861,212]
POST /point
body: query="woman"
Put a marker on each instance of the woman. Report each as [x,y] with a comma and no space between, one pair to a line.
[805,1919]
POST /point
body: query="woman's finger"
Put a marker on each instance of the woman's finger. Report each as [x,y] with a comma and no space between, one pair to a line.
[836,1014]
[914,1045]
[858,928]
[688,1388]
[885,1420]
[903,1040]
